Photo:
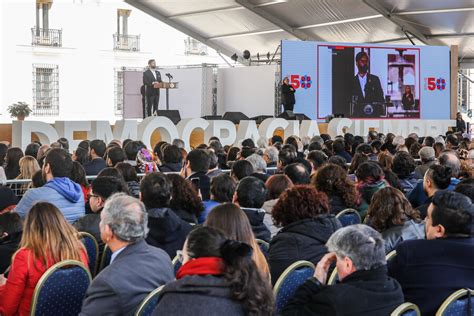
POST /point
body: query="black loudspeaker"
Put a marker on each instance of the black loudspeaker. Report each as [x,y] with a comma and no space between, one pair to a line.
[173,115]
[212,117]
[235,117]
[259,119]
[288,115]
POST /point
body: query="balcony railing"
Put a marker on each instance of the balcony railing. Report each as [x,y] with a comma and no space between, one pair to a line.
[127,42]
[46,37]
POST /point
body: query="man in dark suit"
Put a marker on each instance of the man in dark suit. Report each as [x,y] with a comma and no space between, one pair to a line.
[96,154]
[365,86]
[135,268]
[431,270]
[364,288]
[151,77]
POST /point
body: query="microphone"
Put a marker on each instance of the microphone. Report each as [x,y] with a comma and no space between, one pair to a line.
[169,76]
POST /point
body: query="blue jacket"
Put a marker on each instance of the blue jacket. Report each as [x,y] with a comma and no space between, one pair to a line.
[65,194]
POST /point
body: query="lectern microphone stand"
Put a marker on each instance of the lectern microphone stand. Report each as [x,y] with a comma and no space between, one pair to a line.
[167,86]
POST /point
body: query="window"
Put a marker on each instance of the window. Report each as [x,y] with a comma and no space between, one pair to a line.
[45,90]
[119,91]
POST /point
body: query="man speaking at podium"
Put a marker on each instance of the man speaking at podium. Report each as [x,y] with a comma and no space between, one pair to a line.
[150,78]
[366,87]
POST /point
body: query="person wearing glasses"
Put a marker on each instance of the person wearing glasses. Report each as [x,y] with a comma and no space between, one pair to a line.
[102,189]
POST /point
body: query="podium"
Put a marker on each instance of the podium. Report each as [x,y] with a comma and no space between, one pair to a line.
[167,86]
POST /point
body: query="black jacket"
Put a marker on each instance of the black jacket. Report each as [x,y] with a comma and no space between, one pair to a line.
[148,80]
[337,204]
[431,270]
[287,94]
[90,224]
[301,240]
[167,230]
[256,216]
[134,188]
[373,89]
[198,295]
[8,246]
[94,166]
[170,167]
[367,293]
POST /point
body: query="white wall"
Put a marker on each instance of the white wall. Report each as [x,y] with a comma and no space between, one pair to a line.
[86,60]
[250,90]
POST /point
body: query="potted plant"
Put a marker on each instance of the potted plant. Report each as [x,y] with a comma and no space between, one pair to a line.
[20,110]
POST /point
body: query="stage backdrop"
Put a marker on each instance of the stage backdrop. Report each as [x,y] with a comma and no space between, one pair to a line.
[326,82]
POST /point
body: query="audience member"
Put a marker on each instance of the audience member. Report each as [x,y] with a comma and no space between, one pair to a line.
[145,162]
[59,190]
[32,149]
[64,143]
[339,148]
[135,268]
[276,185]
[338,161]
[359,158]
[404,167]
[47,239]
[364,287]
[214,169]
[115,155]
[370,179]
[250,195]
[8,199]
[259,167]
[443,261]
[303,212]
[196,167]
[297,172]
[222,191]
[438,147]
[80,155]
[185,201]
[171,159]
[466,187]
[436,178]
[241,169]
[233,222]
[102,188]
[217,274]
[391,214]
[3,153]
[385,161]
[10,236]
[114,172]
[317,158]
[340,190]
[166,230]
[270,155]
[96,161]
[12,162]
[131,151]
[286,156]
[427,156]
[130,176]
[78,175]
[37,181]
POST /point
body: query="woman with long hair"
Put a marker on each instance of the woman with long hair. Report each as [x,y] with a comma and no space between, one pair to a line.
[392,215]
[78,175]
[47,239]
[28,167]
[185,201]
[218,277]
[235,224]
[341,191]
[12,162]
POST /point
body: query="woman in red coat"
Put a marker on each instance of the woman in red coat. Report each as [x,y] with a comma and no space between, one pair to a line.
[47,239]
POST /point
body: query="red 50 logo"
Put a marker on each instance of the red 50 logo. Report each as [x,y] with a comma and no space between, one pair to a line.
[432,83]
[298,81]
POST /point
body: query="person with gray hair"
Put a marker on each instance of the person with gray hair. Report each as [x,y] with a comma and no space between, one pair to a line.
[258,163]
[135,268]
[364,288]
[178,142]
[271,156]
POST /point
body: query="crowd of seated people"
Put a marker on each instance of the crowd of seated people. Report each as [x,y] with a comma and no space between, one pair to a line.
[235,218]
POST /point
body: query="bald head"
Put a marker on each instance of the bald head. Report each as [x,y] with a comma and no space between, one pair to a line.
[451,160]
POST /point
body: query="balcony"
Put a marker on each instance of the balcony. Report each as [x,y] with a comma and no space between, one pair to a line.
[127,42]
[46,37]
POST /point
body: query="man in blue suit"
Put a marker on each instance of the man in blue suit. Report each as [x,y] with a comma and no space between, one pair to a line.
[135,268]
[430,270]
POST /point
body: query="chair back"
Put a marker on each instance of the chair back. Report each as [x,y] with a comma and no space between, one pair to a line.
[349,217]
[406,309]
[106,256]
[61,289]
[92,248]
[458,303]
[290,280]
[148,305]
[264,247]
[333,278]
[390,256]
[176,264]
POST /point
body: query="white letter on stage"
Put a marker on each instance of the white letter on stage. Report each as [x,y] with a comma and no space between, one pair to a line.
[168,130]
[293,129]
[247,129]
[187,126]
[309,128]
[66,129]
[100,130]
[336,126]
[124,129]
[269,125]
[21,133]
[224,130]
